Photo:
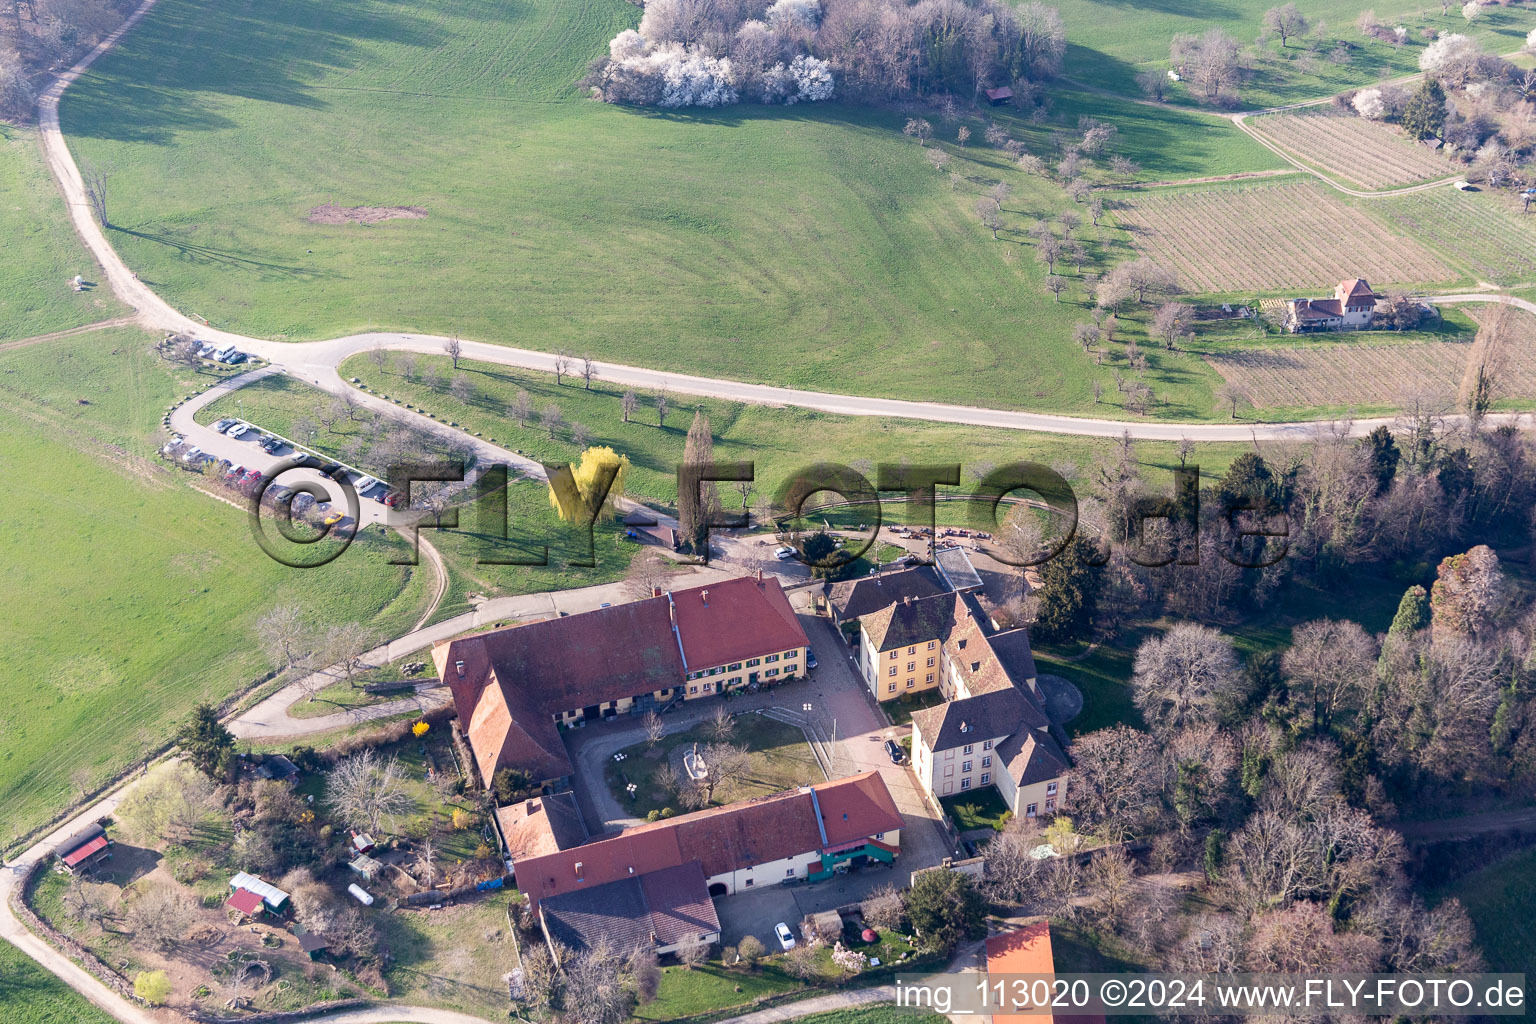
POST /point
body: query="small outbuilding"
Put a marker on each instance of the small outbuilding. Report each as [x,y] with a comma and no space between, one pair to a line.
[312,945]
[278,767]
[274,898]
[85,849]
[366,866]
[999,97]
[362,842]
[246,903]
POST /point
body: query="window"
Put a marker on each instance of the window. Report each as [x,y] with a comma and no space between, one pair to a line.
[892,671]
[1050,789]
[709,687]
[736,667]
[789,872]
[770,671]
[559,715]
[693,689]
[791,655]
[911,666]
[715,671]
[754,661]
[987,745]
[893,655]
[932,644]
[965,783]
[771,658]
[965,766]
[891,688]
[909,683]
[986,762]
[911,650]
[1029,812]
[986,778]
[967,749]
[930,677]
[1050,804]
[748,883]
[930,663]
[879,835]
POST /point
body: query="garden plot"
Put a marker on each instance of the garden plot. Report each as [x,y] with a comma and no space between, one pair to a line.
[1483,231]
[1362,375]
[1270,238]
[1365,153]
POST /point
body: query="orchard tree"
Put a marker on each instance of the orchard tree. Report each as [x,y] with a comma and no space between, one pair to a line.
[1286,22]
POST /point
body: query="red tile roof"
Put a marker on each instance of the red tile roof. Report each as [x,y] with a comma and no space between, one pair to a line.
[1028,951]
[734,620]
[245,901]
[722,839]
[507,684]
[83,853]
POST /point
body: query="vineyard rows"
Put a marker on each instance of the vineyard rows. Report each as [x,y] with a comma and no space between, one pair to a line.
[1268,238]
[1367,153]
[1353,373]
[1483,230]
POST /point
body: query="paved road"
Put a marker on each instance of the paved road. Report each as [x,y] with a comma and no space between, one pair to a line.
[316,362]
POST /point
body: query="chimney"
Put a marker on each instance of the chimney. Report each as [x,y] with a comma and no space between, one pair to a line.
[528,806]
[655,591]
[906,598]
[704,594]
[759,575]
[578,871]
[460,666]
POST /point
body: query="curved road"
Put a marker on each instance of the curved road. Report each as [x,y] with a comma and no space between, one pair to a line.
[316,362]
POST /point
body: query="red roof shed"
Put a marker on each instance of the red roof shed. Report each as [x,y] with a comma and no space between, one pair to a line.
[245,901]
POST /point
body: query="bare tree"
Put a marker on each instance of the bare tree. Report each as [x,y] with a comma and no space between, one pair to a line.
[367,791]
[723,763]
[562,365]
[883,908]
[661,409]
[721,724]
[96,179]
[1110,877]
[1153,84]
[987,210]
[1487,362]
[938,159]
[162,916]
[521,407]
[692,951]
[552,418]
[580,435]
[1114,780]
[88,902]
[962,136]
[461,388]
[594,988]
[1172,321]
[1048,251]
[454,348]
[745,488]
[1285,22]
[649,573]
[588,372]
[378,356]
[1055,285]
[1336,661]
[1000,192]
[655,729]
[628,404]
[426,862]
[344,649]
[1229,396]
[919,129]
[1182,676]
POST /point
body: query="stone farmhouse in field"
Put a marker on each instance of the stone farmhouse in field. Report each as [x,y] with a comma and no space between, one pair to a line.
[514,689]
[1352,308]
[992,729]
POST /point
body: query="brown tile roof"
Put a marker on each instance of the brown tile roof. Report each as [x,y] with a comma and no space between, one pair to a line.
[662,907]
[737,619]
[722,839]
[1032,756]
[1354,288]
[851,599]
[997,713]
[540,825]
[507,684]
[910,622]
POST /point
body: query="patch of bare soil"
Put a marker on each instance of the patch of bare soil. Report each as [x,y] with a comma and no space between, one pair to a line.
[330,213]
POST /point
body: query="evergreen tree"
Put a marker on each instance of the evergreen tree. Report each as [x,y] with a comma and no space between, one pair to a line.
[1383,456]
[1213,842]
[1412,613]
[696,510]
[1250,481]
[1424,115]
[207,744]
[945,908]
[1069,592]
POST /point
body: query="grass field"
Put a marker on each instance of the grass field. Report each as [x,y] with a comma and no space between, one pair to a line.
[805,246]
[41,252]
[31,995]
[1483,233]
[1501,899]
[133,596]
[779,441]
[1369,154]
[1264,238]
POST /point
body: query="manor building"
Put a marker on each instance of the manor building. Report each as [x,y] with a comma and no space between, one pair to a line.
[1353,307]
[515,688]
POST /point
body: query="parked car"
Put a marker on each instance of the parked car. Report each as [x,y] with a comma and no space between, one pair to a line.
[205,350]
[783,553]
[253,476]
[304,459]
[302,501]
[366,484]
[191,454]
[331,468]
[236,357]
[333,518]
[392,499]
[786,937]
[223,354]
[270,444]
[239,430]
[236,471]
[810,658]
[224,425]
[894,749]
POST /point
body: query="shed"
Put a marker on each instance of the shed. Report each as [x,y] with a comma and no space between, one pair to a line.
[309,942]
[246,902]
[278,767]
[998,97]
[85,849]
[366,866]
[827,925]
[271,895]
[362,842]
[641,516]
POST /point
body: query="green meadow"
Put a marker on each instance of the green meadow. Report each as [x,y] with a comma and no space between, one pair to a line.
[131,597]
[31,995]
[806,246]
[40,253]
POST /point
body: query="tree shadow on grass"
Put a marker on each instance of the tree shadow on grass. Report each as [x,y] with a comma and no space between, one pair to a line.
[266,269]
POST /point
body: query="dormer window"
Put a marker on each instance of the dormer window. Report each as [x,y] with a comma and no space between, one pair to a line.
[460,666]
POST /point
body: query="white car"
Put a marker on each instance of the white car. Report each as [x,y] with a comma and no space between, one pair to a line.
[191,454]
[786,937]
[239,430]
[783,554]
[366,484]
